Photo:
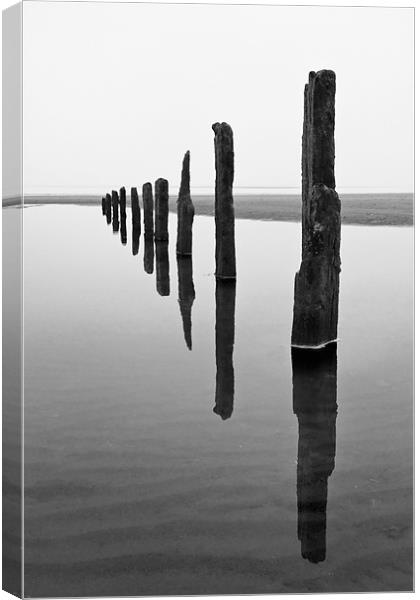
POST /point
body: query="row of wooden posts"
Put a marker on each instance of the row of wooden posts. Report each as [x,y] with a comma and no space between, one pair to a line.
[315,311]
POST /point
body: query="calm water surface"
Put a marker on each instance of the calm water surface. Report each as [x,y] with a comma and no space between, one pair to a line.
[150,471]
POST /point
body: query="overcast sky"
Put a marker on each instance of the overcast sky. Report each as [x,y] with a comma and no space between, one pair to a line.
[114,94]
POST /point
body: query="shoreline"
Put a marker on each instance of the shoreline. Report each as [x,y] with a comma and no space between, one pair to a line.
[356,209]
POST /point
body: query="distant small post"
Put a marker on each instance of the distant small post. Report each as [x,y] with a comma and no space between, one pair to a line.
[161,210]
[315,311]
[108,208]
[224,211]
[148,210]
[185,209]
[123,203]
[103,206]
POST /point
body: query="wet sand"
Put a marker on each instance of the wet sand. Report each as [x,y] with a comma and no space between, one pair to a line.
[357,209]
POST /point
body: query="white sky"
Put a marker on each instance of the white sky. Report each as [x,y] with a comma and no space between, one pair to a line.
[114,94]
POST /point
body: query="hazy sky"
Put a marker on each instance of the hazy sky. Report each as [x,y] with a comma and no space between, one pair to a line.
[114,94]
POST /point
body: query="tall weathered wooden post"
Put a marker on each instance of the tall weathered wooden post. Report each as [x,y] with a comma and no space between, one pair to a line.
[108,208]
[162,268]
[185,209]
[148,210]
[315,405]
[115,220]
[315,312]
[224,211]
[225,339]
[161,210]
[186,295]
[123,202]
[135,209]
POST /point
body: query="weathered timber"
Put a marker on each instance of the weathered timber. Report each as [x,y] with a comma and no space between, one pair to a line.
[185,210]
[224,211]
[123,202]
[108,208]
[315,405]
[225,339]
[135,209]
[161,210]
[115,208]
[103,206]
[315,311]
[148,210]
[149,254]
[162,268]
[186,295]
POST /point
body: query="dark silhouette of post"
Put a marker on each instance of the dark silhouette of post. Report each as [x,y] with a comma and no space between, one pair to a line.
[123,230]
[135,209]
[224,211]
[315,311]
[149,254]
[135,240]
[185,209]
[108,208]
[315,405]
[123,203]
[148,210]
[103,206]
[225,339]
[161,210]
[186,295]
[115,220]
[162,268]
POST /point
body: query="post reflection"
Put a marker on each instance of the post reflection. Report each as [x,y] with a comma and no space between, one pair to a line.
[186,295]
[149,254]
[162,268]
[315,405]
[225,339]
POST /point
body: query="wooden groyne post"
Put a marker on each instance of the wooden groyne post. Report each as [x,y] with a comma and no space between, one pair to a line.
[315,405]
[103,206]
[123,203]
[161,210]
[315,311]
[108,208]
[115,220]
[148,210]
[224,211]
[135,209]
[185,210]
[149,254]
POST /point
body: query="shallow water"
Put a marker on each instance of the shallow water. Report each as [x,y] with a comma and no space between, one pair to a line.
[135,486]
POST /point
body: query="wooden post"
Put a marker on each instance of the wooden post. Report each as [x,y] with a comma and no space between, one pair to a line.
[161,210]
[123,229]
[148,210]
[135,209]
[123,203]
[186,295]
[224,211]
[135,240]
[115,221]
[103,206]
[315,405]
[108,208]
[315,312]
[185,209]
[162,268]
[225,339]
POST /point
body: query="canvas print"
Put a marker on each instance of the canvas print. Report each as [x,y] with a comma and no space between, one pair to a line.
[208,299]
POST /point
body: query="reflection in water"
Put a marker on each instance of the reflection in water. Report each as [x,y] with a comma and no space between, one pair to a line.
[123,229]
[162,268]
[135,240]
[225,339]
[149,254]
[315,404]
[186,295]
